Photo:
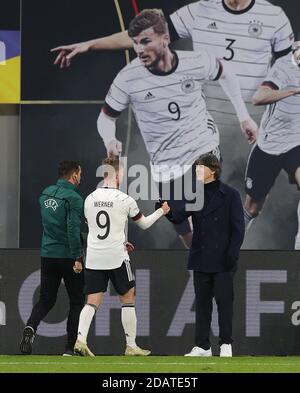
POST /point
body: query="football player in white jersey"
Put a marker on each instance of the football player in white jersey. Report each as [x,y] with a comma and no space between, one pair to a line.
[164,88]
[107,210]
[278,144]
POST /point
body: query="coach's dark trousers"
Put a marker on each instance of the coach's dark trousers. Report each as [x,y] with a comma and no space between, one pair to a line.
[52,271]
[208,286]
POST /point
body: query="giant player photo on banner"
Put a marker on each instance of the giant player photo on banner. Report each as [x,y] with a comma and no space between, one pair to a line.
[198,99]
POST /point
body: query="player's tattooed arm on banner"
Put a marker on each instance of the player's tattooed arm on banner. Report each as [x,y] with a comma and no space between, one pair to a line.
[66,53]
[231,87]
[273,88]
[268,93]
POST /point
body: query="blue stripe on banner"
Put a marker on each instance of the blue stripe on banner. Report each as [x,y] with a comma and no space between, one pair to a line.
[10,44]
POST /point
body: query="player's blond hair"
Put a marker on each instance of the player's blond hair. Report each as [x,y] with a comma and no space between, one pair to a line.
[110,165]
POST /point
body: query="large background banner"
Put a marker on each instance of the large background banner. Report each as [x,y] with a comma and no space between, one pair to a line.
[61,106]
[266,313]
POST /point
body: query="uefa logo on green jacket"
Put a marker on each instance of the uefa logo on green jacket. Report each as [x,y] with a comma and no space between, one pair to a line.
[51,203]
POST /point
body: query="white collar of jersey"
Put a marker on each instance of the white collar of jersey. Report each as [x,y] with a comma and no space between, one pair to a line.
[163,73]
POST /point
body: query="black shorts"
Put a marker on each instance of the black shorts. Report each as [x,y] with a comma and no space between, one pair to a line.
[122,278]
[178,202]
[263,169]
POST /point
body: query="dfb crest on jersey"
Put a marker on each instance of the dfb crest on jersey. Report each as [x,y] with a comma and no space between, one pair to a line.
[249,183]
[188,85]
[255,28]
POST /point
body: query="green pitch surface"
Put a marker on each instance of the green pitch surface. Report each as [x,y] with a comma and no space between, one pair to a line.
[150,364]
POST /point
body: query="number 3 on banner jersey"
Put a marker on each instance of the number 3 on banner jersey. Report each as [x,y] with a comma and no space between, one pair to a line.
[228,47]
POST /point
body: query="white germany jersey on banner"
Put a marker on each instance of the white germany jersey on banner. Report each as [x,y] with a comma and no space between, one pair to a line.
[107,211]
[170,109]
[245,39]
[280,126]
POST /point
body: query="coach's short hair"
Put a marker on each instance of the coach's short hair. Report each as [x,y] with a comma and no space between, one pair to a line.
[66,168]
[110,165]
[212,162]
[148,18]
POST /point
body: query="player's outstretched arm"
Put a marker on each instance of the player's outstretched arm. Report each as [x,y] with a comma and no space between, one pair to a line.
[231,87]
[106,126]
[268,95]
[66,53]
[146,222]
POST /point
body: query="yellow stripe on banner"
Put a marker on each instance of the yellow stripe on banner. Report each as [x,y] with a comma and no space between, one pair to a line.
[10,81]
[122,25]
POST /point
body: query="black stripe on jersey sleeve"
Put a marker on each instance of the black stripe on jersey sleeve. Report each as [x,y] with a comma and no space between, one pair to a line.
[188,7]
[109,111]
[173,33]
[282,53]
[219,72]
[270,84]
[137,217]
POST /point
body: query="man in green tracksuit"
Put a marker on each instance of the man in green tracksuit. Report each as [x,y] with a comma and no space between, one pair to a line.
[61,253]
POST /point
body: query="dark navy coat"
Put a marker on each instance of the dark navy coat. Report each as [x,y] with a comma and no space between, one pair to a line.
[218,232]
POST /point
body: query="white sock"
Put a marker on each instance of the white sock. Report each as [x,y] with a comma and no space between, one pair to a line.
[248,219]
[85,320]
[298,234]
[128,317]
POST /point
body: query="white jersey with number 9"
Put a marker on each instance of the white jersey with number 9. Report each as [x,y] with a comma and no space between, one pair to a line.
[107,211]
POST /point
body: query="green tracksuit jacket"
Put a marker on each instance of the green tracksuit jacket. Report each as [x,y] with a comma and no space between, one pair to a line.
[62,211]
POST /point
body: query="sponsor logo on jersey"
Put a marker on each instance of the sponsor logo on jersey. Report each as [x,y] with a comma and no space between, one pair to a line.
[249,183]
[213,26]
[149,96]
[188,85]
[51,203]
[255,28]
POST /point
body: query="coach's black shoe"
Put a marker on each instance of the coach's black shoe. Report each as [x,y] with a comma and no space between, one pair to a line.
[27,340]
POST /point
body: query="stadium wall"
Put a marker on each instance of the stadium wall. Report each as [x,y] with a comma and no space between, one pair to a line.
[267,305]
